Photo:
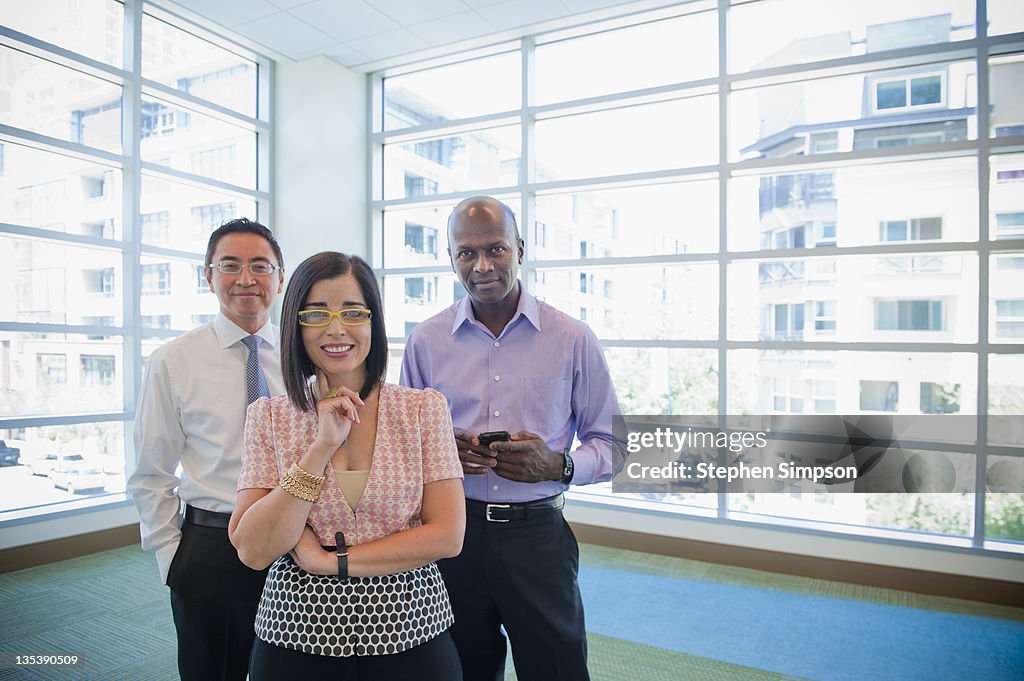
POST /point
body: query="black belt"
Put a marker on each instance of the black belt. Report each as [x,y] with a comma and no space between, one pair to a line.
[197,516]
[503,513]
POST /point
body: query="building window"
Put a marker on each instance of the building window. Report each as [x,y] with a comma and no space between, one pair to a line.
[908,315]
[784,321]
[219,162]
[586,283]
[419,186]
[103,320]
[824,316]
[198,319]
[420,290]
[1015,175]
[824,396]
[879,395]
[156,227]
[1009,130]
[788,395]
[156,279]
[902,93]
[940,398]
[1009,318]
[825,234]
[205,219]
[97,370]
[540,234]
[1010,225]
[916,229]
[421,239]
[156,321]
[53,368]
[202,285]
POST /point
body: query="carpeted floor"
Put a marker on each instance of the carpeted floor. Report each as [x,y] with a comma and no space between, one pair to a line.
[650,618]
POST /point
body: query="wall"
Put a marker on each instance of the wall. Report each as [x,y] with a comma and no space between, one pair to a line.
[320,151]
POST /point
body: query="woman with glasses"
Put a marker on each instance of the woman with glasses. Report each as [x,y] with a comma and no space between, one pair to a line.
[366,468]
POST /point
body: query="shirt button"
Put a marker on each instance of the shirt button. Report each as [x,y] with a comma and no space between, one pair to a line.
[497,344]
[497,413]
[497,378]
[495,488]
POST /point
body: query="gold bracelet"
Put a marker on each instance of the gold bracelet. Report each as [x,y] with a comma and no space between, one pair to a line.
[299,474]
[312,487]
[298,490]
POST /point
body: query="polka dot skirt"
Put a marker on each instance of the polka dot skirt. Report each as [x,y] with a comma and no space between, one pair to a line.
[322,615]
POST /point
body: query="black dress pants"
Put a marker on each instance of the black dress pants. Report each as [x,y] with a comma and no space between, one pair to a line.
[214,598]
[521,575]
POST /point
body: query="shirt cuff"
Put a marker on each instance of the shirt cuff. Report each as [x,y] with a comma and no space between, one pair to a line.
[164,558]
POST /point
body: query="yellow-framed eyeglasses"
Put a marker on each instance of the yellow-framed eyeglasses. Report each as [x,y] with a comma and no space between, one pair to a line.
[350,316]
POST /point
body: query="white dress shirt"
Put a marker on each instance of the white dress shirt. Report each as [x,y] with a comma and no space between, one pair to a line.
[192,412]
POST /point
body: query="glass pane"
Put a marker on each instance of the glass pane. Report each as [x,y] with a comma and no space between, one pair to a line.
[1005,16]
[174,294]
[1007,108]
[597,144]
[669,301]
[1006,298]
[945,514]
[477,160]
[53,283]
[905,298]
[410,300]
[919,201]
[53,100]
[664,381]
[50,191]
[181,60]
[416,236]
[442,94]
[1006,196]
[1004,501]
[893,108]
[649,55]
[182,216]
[91,27]
[847,382]
[800,32]
[192,142]
[62,463]
[1005,395]
[626,222]
[63,373]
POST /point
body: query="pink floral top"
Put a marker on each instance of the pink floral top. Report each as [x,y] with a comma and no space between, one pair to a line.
[414,446]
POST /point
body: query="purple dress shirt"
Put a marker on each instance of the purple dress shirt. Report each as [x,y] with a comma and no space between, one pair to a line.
[545,373]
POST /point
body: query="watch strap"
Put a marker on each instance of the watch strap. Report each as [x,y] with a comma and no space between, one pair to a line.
[342,549]
[568,467]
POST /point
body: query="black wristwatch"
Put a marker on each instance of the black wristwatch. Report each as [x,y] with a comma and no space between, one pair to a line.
[568,468]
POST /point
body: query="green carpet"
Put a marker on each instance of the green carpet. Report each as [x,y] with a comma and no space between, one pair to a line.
[111,610]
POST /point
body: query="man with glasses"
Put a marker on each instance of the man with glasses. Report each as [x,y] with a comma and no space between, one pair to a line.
[509,362]
[190,416]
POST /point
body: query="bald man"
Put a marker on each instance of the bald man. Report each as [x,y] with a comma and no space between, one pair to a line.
[508,362]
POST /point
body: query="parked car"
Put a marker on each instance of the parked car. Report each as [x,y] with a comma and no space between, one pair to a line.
[9,455]
[41,464]
[75,473]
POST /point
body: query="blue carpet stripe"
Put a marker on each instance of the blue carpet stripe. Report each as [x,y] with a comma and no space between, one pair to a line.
[825,639]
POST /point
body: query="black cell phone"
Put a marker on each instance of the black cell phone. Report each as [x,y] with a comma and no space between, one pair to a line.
[493,436]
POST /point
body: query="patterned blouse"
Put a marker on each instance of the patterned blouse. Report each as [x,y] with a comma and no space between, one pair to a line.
[414,446]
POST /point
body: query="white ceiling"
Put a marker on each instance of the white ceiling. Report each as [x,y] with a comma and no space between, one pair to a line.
[358,33]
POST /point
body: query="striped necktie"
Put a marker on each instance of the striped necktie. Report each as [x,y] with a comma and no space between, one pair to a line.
[255,379]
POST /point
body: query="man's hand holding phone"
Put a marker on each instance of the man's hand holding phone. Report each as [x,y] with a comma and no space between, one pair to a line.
[475,456]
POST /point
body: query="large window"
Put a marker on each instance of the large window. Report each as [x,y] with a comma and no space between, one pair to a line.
[103,227]
[802,233]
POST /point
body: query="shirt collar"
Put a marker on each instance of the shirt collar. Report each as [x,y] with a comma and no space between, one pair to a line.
[527,307]
[229,333]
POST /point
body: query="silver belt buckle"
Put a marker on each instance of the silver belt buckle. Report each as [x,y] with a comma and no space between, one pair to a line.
[487,513]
